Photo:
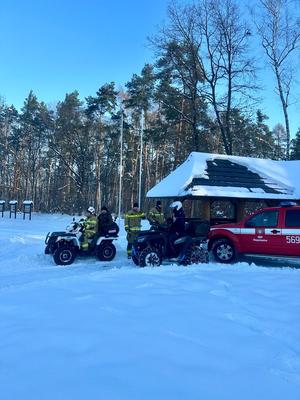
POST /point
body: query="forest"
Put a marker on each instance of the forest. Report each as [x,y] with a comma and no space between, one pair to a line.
[201,93]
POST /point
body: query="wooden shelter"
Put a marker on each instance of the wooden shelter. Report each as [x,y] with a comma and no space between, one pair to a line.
[226,188]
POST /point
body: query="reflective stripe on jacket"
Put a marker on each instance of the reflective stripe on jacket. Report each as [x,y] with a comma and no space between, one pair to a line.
[133,220]
[90,224]
[156,216]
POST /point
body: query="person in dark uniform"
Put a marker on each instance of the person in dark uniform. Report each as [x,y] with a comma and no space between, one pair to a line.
[104,221]
[178,224]
[177,228]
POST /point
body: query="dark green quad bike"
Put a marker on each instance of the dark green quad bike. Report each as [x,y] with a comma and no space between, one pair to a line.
[153,247]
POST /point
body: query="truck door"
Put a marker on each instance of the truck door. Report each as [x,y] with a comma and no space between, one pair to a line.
[261,233]
[291,232]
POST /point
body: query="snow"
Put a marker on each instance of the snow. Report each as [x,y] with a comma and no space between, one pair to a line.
[232,191]
[114,331]
[285,173]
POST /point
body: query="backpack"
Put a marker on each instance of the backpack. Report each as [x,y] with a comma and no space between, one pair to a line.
[113,229]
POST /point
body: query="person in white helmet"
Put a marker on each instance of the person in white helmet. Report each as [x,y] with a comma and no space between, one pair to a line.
[178,228]
[90,227]
[178,225]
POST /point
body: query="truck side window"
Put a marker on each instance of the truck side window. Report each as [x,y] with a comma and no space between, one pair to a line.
[292,218]
[263,219]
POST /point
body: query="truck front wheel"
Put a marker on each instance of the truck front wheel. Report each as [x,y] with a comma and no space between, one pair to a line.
[223,251]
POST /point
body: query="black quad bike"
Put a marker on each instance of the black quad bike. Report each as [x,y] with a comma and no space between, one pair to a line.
[65,246]
[152,247]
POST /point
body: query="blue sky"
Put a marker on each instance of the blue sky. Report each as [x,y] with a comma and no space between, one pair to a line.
[54,47]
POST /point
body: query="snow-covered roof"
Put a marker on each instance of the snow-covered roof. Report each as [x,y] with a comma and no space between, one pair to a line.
[271,179]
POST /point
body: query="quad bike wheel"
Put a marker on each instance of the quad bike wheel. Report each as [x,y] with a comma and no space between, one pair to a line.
[64,255]
[150,257]
[135,259]
[223,251]
[196,255]
[106,252]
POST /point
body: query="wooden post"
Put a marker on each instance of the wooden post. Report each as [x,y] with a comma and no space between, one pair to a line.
[206,209]
[240,210]
[13,204]
[2,206]
[27,208]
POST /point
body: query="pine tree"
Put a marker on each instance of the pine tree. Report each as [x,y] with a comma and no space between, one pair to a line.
[72,148]
[208,44]
[295,154]
[34,123]
[180,78]
[279,135]
[9,145]
[105,102]
[263,137]
[141,90]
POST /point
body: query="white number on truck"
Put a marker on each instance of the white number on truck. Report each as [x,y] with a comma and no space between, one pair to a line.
[293,239]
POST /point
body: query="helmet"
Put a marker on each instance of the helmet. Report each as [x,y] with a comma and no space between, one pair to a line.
[177,205]
[91,210]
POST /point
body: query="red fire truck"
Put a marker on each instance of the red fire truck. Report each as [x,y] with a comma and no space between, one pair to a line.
[273,231]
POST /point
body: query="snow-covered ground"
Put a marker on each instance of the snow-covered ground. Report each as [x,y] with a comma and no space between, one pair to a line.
[116,332]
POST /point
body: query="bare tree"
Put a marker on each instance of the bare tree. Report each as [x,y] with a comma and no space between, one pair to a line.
[279,30]
[179,71]
[229,70]
[216,37]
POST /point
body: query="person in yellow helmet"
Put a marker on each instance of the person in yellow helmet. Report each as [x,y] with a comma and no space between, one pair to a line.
[133,225]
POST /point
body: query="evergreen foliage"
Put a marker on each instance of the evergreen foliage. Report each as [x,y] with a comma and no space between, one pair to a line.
[196,96]
[295,154]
